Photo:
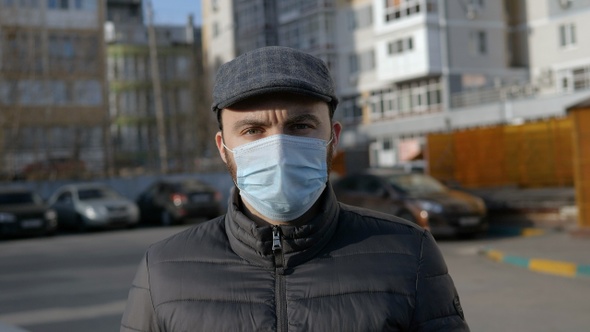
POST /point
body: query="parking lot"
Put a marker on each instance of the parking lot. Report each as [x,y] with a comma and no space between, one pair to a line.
[79,282]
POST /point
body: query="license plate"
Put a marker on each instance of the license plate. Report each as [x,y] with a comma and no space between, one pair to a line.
[31,223]
[468,221]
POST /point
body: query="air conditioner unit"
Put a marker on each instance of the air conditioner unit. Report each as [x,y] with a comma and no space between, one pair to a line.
[545,77]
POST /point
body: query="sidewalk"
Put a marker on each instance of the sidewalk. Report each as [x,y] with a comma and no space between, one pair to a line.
[536,229]
[554,252]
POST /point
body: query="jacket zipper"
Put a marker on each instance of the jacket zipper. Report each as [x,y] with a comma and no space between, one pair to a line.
[280,293]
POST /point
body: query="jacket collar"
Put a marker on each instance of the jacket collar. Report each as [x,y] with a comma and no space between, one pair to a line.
[299,244]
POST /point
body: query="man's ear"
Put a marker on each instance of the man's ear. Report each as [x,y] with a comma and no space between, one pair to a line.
[219,143]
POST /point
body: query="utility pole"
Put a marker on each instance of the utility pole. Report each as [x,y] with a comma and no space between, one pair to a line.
[160,121]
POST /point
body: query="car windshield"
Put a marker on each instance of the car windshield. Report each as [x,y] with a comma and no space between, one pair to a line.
[19,198]
[95,193]
[416,184]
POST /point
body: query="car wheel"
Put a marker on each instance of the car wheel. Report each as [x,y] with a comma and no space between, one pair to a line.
[167,219]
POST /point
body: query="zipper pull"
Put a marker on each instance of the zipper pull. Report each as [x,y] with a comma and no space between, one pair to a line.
[276,239]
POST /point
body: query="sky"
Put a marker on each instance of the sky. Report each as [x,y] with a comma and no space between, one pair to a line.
[176,11]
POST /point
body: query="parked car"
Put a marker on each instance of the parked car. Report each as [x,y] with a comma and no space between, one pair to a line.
[23,212]
[416,197]
[170,201]
[92,205]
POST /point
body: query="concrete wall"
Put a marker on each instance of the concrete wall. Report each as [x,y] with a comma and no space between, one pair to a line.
[131,187]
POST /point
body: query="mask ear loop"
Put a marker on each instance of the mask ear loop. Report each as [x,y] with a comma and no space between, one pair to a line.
[225,146]
[331,138]
[232,151]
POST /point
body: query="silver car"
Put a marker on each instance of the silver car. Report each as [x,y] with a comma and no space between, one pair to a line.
[92,205]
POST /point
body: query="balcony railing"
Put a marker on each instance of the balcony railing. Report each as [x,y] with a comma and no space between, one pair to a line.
[492,95]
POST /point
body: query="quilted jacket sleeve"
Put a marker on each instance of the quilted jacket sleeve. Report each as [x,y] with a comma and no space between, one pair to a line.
[139,313]
[437,302]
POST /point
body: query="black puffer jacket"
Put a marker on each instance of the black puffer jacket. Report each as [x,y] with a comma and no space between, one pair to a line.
[349,269]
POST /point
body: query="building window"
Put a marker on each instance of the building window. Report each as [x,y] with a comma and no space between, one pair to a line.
[89,5]
[567,35]
[360,18]
[581,78]
[33,93]
[350,110]
[400,46]
[482,46]
[353,65]
[215,29]
[478,42]
[398,9]
[21,3]
[423,96]
[367,60]
[387,144]
[57,4]
[351,21]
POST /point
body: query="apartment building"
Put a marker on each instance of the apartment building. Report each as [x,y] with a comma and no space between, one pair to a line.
[231,28]
[406,68]
[406,60]
[135,130]
[559,49]
[52,86]
[219,37]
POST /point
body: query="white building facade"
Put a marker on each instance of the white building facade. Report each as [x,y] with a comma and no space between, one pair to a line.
[406,68]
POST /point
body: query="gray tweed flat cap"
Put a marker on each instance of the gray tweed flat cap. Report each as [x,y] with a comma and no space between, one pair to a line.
[272,69]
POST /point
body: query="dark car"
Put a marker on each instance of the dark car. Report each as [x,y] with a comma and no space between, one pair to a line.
[416,197]
[170,202]
[23,212]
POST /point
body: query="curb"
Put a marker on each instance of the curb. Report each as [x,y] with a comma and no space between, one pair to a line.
[560,268]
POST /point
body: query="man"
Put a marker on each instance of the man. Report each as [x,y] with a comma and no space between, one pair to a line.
[287,256]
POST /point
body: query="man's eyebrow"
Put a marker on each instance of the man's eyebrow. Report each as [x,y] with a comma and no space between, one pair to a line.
[249,123]
[303,118]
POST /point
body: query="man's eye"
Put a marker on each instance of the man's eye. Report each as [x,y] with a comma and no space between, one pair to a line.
[252,131]
[301,126]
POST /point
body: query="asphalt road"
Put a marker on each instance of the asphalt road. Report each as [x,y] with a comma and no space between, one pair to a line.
[79,282]
[498,297]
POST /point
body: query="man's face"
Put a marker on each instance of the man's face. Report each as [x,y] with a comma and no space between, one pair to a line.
[264,116]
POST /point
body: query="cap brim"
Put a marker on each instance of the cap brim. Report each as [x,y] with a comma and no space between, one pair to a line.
[269,90]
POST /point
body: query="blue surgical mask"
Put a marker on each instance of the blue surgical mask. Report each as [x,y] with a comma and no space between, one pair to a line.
[281,176]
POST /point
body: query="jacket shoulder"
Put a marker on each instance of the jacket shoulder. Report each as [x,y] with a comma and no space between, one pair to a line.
[367,232]
[352,214]
[206,239]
